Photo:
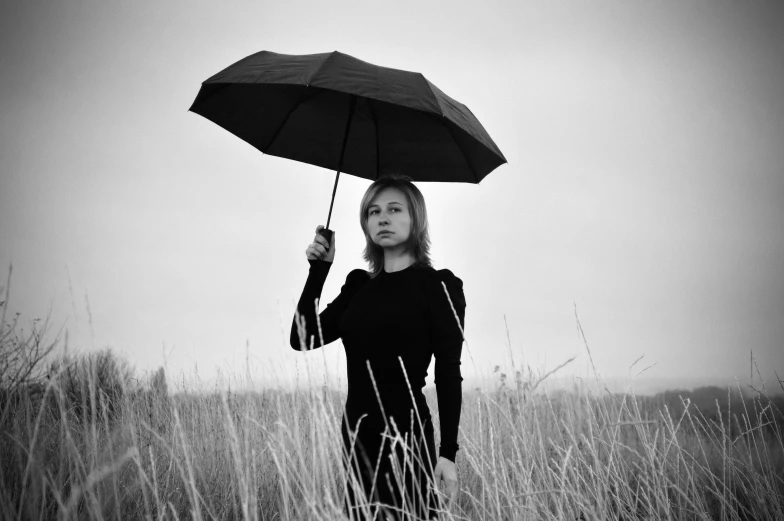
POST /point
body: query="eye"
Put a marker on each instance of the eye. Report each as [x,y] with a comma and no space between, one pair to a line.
[372,212]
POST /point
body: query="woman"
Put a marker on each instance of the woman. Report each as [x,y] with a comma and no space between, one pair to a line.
[393,320]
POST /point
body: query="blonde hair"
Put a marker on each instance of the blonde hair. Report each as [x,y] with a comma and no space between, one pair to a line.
[419,238]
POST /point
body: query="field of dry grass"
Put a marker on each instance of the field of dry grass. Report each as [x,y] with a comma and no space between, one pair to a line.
[84,439]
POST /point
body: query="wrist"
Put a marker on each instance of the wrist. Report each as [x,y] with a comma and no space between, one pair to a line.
[447,455]
[448,449]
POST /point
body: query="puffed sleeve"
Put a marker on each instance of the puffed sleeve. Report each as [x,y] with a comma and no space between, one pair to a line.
[300,340]
[447,341]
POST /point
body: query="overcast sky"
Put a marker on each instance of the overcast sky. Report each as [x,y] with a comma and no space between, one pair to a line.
[645,183]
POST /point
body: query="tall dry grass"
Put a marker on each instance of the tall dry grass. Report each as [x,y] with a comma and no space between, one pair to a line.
[88,440]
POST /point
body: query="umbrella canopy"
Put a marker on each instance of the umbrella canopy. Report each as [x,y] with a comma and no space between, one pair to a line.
[335,111]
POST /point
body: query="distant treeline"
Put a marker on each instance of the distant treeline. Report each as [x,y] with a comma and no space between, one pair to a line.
[722,407]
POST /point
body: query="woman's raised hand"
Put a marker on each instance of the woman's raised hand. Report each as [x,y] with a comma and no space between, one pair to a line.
[320,247]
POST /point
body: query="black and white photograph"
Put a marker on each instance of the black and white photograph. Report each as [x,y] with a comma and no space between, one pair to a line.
[392,261]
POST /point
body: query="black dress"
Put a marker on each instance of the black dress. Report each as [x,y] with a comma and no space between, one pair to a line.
[391,326]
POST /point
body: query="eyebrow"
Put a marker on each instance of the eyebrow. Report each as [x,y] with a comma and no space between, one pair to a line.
[391,202]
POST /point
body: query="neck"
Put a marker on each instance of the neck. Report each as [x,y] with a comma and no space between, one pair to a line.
[396,260]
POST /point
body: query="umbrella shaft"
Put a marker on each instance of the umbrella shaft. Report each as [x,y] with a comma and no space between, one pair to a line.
[352,104]
[334,189]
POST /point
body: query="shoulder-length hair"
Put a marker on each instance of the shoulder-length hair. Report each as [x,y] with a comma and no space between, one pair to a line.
[419,238]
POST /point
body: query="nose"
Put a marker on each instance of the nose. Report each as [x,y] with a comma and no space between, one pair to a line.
[383,220]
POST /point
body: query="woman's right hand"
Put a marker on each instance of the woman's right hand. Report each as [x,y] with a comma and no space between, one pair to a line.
[320,248]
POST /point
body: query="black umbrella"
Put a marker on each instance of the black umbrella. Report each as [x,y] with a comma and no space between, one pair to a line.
[344,114]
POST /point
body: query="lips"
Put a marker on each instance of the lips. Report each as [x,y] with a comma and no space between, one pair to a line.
[384,232]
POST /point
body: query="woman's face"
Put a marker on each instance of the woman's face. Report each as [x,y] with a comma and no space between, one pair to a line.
[389,219]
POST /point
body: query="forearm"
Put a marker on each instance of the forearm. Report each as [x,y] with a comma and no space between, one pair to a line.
[449,390]
[306,307]
[447,336]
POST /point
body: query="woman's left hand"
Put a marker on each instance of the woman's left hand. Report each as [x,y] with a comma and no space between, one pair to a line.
[446,473]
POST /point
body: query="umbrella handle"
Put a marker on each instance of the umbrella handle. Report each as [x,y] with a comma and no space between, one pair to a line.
[327,234]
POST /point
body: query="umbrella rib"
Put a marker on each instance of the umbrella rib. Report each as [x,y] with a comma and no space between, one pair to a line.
[471,168]
[430,88]
[315,73]
[309,94]
[442,118]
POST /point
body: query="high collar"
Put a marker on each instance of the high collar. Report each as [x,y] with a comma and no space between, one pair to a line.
[410,267]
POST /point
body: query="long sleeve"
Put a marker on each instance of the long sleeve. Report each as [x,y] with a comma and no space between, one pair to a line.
[447,340]
[329,318]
